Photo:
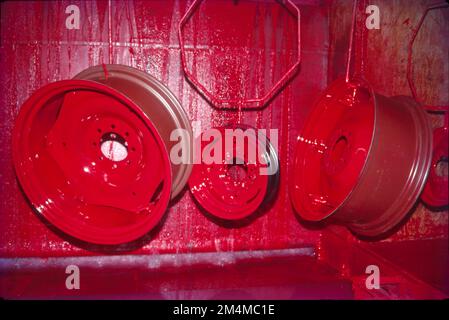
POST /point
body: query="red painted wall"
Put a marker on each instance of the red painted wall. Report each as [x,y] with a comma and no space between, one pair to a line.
[250,43]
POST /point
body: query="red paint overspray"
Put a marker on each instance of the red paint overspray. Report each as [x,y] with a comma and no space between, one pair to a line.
[35,50]
[220,96]
[150,28]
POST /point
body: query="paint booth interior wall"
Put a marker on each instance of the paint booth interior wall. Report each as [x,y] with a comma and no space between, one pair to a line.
[249,44]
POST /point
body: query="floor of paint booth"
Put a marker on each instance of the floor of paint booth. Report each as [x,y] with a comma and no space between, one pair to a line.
[278,274]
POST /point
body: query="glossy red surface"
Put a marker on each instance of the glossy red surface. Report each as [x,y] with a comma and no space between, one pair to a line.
[332,150]
[68,161]
[233,187]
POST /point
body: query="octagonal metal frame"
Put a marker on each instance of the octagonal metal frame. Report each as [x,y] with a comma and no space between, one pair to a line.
[249,103]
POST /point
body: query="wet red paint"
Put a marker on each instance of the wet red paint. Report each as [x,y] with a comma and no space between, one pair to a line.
[332,150]
[37,49]
[234,188]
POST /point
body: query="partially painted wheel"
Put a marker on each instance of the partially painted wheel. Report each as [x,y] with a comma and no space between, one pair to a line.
[361,160]
[91,162]
[233,182]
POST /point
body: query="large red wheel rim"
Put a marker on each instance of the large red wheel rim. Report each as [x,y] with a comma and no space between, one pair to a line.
[81,152]
[232,191]
[362,159]
[332,151]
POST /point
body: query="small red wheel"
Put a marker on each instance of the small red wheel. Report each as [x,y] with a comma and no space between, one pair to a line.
[91,162]
[235,185]
[435,192]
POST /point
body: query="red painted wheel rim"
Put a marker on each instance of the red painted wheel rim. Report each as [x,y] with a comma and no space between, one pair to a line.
[331,151]
[228,190]
[362,159]
[81,152]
